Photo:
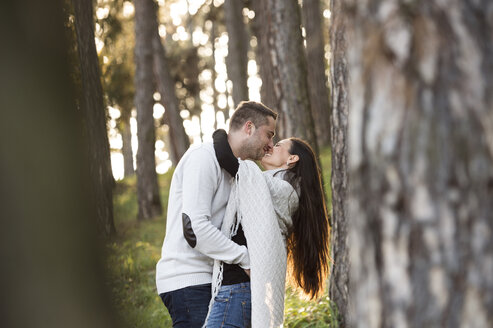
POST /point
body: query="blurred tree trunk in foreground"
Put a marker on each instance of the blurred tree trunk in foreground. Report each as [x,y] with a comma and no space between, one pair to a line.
[339,276]
[284,64]
[94,116]
[421,163]
[237,59]
[166,87]
[52,272]
[128,156]
[317,80]
[147,184]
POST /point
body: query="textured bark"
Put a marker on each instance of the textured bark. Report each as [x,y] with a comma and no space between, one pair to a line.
[166,87]
[339,277]
[94,116]
[317,80]
[421,163]
[284,64]
[237,59]
[128,157]
[147,185]
[52,269]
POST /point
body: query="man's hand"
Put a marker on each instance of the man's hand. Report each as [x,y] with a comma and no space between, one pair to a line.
[247,271]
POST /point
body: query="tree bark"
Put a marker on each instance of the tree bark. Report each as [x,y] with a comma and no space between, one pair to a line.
[128,157]
[317,80]
[92,105]
[237,59]
[147,185]
[421,163]
[284,64]
[339,277]
[166,87]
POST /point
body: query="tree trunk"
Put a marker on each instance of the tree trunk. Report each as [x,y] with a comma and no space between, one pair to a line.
[284,64]
[421,163]
[94,117]
[147,185]
[215,93]
[52,272]
[166,87]
[263,56]
[339,277]
[237,59]
[128,157]
[317,80]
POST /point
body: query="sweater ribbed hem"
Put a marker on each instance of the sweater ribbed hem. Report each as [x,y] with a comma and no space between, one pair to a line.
[182,281]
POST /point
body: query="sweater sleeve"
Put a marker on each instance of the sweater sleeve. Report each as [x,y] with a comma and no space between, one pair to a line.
[200,179]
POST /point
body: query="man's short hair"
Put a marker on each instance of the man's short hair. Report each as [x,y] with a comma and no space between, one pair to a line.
[252,111]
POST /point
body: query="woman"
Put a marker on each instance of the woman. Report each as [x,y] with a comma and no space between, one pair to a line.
[281,216]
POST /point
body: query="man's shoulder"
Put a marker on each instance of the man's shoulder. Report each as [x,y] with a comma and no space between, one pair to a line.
[200,156]
[203,150]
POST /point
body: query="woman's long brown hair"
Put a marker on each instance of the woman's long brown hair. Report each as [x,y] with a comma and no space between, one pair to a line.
[308,242]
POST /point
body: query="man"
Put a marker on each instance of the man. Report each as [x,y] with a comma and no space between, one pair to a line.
[199,192]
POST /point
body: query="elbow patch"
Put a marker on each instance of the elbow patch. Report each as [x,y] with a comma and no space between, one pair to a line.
[188,231]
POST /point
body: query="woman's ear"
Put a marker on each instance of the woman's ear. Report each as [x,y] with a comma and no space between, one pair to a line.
[293,159]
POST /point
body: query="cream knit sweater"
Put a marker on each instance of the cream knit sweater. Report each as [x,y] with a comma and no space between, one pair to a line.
[264,205]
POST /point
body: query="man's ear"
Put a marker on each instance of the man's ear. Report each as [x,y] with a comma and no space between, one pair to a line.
[249,127]
[293,159]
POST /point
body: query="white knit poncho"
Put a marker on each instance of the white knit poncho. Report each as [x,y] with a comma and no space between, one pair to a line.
[264,205]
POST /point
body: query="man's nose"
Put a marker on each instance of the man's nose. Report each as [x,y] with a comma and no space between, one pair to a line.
[271,144]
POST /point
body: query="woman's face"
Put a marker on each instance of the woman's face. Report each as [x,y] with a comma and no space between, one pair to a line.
[279,156]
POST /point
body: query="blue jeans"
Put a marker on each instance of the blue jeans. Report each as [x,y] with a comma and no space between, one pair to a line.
[188,306]
[232,307]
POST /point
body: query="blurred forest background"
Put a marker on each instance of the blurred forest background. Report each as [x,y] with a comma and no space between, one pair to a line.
[100,99]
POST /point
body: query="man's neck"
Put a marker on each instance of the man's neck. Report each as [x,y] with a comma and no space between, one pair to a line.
[235,145]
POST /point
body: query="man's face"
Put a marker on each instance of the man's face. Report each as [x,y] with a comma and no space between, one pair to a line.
[260,142]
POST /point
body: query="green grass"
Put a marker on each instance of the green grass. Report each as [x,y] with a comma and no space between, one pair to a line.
[132,259]
[133,253]
[305,313]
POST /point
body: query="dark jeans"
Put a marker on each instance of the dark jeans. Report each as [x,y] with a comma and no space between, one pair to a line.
[232,307]
[188,306]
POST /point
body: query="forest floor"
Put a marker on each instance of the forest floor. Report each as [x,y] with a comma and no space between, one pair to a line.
[134,251]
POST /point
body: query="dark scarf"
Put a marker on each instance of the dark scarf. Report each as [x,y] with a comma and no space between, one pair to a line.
[224,154]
